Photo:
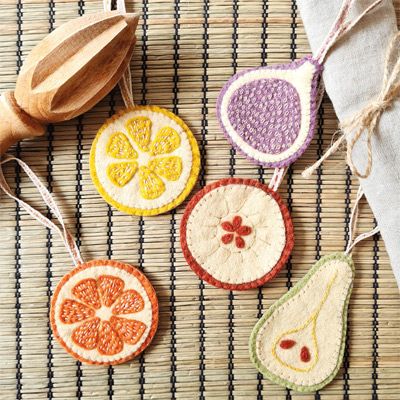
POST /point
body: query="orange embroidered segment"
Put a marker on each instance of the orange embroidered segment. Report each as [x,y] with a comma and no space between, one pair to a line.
[121,173]
[129,302]
[119,147]
[110,288]
[140,130]
[151,186]
[72,311]
[166,141]
[93,329]
[130,331]
[86,291]
[167,167]
[109,342]
[149,166]
[86,335]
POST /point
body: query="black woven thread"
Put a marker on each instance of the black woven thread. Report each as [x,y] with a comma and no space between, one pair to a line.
[293,55]
[142,367]
[202,180]
[264,54]
[49,275]
[320,131]
[18,345]
[110,370]
[375,320]
[232,171]
[79,128]
[175,102]
[346,359]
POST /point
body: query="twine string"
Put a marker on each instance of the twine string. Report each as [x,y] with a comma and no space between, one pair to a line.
[125,83]
[67,238]
[353,225]
[340,27]
[367,120]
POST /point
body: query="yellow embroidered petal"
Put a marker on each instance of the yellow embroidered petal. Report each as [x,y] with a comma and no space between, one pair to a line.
[166,141]
[150,185]
[121,173]
[168,167]
[118,146]
[140,130]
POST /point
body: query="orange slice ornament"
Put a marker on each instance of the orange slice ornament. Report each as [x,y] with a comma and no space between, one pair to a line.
[104,312]
[144,161]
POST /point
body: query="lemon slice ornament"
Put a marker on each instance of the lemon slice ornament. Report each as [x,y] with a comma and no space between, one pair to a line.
[144,160]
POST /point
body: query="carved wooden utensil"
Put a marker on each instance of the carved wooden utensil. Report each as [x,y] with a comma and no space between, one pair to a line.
[67,73]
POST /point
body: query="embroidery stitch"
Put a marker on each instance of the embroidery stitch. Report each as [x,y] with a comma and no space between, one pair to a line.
[144,160]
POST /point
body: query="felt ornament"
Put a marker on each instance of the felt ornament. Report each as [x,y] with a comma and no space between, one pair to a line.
[299,342]
[237,233]
[102,312]
[144,160]
[67,73]
[269,113]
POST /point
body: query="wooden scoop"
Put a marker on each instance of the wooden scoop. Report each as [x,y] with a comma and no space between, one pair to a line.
[67,73]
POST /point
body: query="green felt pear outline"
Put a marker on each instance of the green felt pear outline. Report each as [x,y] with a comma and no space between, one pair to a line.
[287,339]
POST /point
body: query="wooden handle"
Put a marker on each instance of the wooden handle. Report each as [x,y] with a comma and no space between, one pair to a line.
[15,124]
[67,73]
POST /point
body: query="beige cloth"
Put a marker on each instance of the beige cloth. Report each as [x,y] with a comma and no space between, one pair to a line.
[353,77]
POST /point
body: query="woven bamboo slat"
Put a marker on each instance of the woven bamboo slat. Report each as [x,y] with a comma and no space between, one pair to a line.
[186,50]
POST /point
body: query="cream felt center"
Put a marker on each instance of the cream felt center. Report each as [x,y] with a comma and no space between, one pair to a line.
[104,313]
[236,233]
[300,341]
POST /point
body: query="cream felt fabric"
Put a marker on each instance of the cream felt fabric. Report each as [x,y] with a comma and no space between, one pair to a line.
[312,314]
[353,77]
[263,246]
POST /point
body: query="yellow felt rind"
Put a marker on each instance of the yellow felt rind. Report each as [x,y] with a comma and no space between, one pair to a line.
[194,172]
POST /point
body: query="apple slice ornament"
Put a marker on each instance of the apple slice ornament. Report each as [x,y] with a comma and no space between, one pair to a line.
[236,233]
[269,113]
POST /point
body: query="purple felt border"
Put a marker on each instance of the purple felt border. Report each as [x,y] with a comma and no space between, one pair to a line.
[313,110]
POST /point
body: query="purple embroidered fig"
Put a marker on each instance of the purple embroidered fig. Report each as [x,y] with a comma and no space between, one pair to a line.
[268,113]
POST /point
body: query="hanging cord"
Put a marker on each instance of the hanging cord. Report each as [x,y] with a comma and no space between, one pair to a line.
[368,118]
[67,238]
[353,225]
[125,83]
[277,178]
[340,27]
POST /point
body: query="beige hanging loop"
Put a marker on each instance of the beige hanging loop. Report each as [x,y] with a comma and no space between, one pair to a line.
[125,83]
[368,118]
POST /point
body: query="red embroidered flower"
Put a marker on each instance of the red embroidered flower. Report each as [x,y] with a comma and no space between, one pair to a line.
[236,231]
[102,302]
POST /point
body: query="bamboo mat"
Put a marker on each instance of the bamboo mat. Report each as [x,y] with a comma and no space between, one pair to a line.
[186,50]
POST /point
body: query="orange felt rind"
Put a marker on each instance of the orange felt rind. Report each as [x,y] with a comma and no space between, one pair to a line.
[104,312]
